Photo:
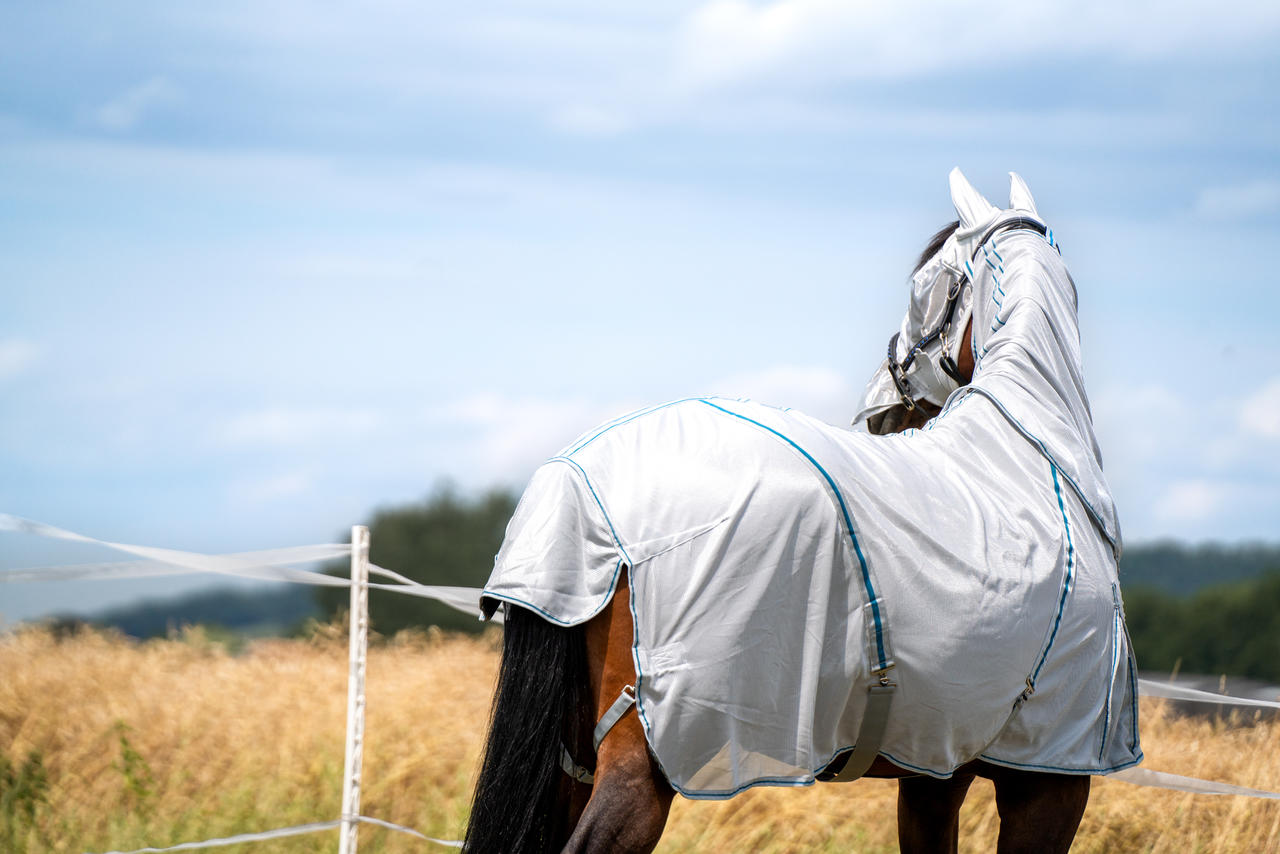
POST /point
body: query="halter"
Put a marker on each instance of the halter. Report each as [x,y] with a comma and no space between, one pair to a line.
[898,370]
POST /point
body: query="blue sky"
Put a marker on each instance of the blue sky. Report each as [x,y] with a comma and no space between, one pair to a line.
[268,266]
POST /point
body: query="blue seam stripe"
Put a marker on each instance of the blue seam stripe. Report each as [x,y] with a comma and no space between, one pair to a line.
[970,269]
[617,541]
[896,761]
[618,422]
[844,510]
[1011,764]
[1133,703]
[1111,684]
[1066,582]
[635,657]
[1044,451]
[550,617]
[1008,763]
[725,794]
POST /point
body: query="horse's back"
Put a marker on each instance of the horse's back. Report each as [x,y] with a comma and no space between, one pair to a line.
[775,561]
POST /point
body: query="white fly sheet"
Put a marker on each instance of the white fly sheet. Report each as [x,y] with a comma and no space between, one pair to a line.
[777,564]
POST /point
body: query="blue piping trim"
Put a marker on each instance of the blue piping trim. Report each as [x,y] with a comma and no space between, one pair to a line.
[616,540]
[1066,581]
[618,422]
[1115,665]
[844,510]
[896,761]
[551,618]
[1110,770]
[725,794]
[635,657]
[1133,700]
[1044,450]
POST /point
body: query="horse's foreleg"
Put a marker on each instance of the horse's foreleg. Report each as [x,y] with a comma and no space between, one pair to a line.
[1038,812]
[630,798]
[929,813]
[629,805]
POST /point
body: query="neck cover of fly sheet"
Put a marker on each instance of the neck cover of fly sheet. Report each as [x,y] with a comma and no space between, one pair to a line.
[777,564]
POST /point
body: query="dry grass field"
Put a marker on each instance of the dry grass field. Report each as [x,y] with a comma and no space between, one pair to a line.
[176,740]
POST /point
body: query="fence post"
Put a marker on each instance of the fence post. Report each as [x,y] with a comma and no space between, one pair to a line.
[357,658]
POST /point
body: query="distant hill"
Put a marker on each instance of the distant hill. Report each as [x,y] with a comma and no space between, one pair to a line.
[1180,569]
[251,612]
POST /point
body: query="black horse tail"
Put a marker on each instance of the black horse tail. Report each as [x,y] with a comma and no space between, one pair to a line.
[521,801]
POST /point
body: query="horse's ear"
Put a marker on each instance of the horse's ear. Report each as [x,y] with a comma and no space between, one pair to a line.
[973,209]
[1020,196]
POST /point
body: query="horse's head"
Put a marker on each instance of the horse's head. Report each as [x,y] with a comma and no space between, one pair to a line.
[931,356]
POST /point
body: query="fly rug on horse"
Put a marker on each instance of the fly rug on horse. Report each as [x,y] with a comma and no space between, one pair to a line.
[713,594]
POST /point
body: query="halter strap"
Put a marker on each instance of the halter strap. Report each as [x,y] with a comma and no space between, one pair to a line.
[898,370]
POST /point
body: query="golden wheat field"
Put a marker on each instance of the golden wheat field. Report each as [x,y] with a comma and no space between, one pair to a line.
[176,740]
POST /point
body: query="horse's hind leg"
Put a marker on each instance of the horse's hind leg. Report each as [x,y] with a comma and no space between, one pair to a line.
[630,799]
[929,813]
[1039,812]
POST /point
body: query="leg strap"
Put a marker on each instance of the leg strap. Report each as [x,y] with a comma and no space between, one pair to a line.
[625,701]
[620,706]
[870,733]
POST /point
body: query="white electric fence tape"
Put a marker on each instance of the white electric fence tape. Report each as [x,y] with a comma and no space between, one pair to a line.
[1179,783]
[269,565]
[297,830]
[280,565]
[1150,688]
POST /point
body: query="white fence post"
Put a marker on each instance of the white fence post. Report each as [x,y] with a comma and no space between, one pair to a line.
[359,619]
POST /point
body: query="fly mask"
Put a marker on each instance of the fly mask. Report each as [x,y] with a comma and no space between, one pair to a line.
[921,362]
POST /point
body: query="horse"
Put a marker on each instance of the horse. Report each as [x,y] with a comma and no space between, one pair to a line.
[1048,709]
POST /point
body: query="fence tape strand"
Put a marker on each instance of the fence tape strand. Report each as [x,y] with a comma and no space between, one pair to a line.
[296,830]
[1179,783]
[268,565]
[1151,688]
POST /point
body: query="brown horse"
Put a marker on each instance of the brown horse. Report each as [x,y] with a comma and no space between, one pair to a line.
[557,681]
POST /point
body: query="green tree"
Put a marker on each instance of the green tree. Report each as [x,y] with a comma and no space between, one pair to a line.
[448,539]
[1228,628]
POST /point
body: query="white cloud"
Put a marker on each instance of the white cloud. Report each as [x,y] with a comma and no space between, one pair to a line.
[1192,500]
[1260,413]
[16,356]
[271,488]
[1179,470]
[1122,417]
[126,110]
[727,41]
[278,426]
[587,120]
[1239,201]
[817,391]
[512,436]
